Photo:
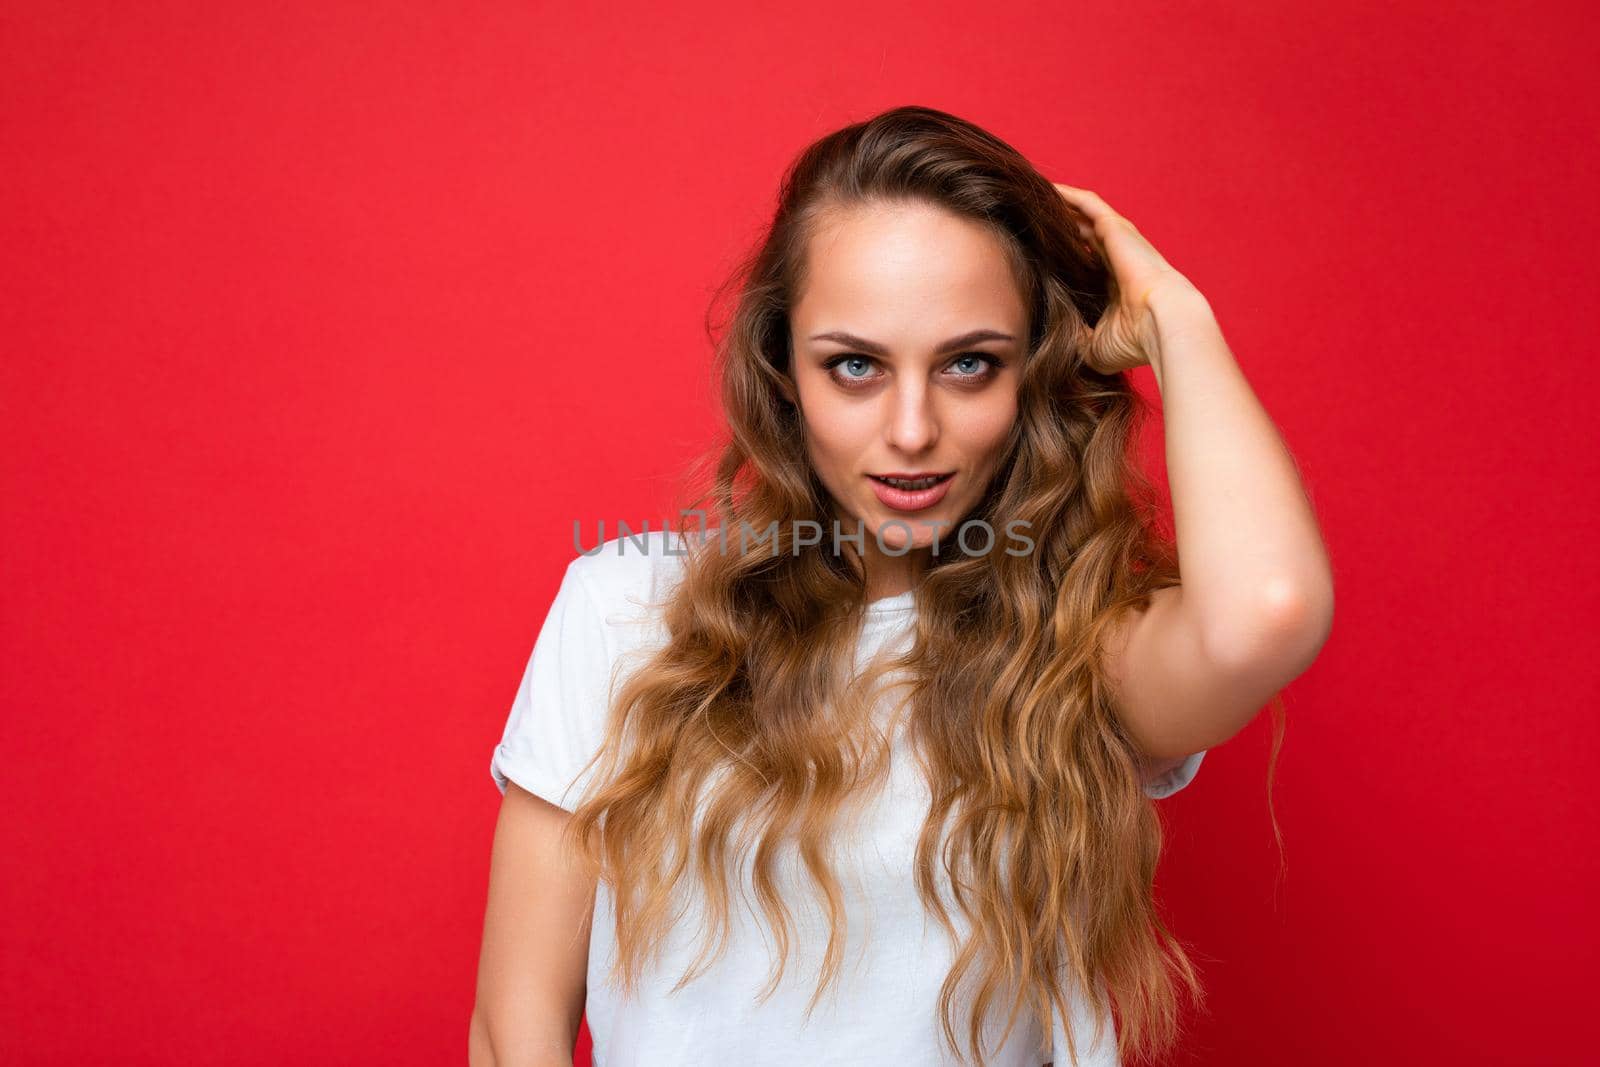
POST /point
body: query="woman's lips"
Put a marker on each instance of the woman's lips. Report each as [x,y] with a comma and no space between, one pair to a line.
[911,499]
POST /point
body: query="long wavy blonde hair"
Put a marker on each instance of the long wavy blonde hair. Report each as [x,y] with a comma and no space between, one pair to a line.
[751,719]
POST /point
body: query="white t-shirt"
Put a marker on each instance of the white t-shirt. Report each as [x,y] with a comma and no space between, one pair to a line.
[885,1006]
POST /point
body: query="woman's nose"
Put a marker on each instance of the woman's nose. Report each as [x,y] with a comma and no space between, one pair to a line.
[913,424]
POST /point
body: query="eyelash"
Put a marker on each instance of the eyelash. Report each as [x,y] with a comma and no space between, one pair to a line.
[994,365]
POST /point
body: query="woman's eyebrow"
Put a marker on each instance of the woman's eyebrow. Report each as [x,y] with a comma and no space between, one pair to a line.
[972,337]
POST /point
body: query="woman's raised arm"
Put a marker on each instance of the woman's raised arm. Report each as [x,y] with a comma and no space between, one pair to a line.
[1256,600]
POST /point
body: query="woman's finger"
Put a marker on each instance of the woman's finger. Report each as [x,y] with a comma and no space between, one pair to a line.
[1091,203]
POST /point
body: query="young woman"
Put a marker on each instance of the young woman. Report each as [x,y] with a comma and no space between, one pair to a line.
[883,795]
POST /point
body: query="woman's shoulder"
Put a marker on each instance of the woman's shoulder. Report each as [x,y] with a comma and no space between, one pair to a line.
[632,571]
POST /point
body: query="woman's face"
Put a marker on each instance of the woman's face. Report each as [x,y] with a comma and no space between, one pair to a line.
[908,341]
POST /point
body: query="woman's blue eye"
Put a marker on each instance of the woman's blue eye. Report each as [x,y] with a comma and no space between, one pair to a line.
[852,359]
[983,365]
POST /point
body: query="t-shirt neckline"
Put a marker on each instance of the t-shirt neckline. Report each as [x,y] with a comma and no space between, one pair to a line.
[891,605]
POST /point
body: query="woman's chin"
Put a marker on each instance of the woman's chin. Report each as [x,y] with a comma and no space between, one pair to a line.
[894,536]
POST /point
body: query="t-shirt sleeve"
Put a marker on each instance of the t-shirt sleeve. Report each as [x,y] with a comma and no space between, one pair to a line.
[1165,784]
[557,719]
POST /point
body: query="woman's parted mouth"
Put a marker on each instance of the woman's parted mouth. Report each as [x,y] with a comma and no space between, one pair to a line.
[907,491]
[911,480]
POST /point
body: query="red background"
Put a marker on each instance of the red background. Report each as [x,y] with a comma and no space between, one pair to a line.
[322,322]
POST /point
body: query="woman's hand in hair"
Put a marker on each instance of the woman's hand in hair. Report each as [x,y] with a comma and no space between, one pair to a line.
[1126,336]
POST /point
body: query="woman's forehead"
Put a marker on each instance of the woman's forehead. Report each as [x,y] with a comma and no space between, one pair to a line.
[906,270]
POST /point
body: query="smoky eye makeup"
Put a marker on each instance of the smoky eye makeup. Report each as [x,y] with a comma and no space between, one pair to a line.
[852,369]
